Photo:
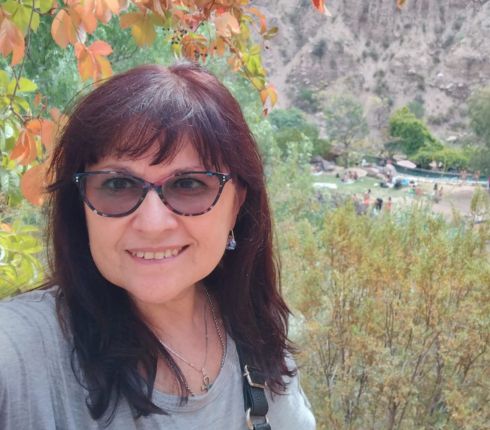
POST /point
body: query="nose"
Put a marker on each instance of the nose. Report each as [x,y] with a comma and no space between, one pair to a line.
[153,216]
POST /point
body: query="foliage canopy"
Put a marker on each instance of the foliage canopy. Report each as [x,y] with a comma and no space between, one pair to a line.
[409,133]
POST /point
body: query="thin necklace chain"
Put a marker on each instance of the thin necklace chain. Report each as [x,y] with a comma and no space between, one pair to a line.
[206,384]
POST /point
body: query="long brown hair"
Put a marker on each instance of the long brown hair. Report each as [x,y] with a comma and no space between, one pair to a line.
[126,115]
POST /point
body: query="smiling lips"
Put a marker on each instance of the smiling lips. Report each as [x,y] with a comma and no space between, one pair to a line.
[159,255]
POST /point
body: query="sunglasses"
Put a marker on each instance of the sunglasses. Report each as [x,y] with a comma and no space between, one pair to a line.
[117,194]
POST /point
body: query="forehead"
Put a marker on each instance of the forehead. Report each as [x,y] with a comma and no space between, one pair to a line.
[186,158]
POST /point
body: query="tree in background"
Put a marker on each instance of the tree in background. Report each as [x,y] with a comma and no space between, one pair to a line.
[345,122]
[291,126]
[410,134]
[479,112]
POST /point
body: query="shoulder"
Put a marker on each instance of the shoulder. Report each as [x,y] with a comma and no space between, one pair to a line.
[29,329]
[28,313]
[291,410]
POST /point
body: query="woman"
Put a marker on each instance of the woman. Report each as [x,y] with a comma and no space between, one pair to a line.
[162,266]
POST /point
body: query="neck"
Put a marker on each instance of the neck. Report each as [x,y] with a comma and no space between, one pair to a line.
[178,318]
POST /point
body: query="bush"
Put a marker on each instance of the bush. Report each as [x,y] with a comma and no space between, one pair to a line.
[393,320]
[291,127]
[410,133]
[451,159]
[307,100]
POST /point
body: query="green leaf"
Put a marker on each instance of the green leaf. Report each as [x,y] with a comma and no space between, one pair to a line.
[44,5]
[4,79]
[2,140]
[25,86]
[35,21]
[21,15]
[20,103]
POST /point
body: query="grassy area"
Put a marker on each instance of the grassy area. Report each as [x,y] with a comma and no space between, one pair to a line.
[363,184]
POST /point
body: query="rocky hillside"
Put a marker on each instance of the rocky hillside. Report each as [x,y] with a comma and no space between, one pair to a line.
[433,53]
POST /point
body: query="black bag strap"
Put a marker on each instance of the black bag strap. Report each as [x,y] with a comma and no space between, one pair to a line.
[256,406]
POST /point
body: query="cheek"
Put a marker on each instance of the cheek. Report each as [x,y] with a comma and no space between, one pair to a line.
[103,237]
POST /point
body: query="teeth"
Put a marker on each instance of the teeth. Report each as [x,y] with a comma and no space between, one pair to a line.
[156,255]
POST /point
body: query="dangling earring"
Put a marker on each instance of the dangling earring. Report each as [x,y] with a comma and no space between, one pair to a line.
[231,242]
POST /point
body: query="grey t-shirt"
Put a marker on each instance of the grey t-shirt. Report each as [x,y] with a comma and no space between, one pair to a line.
[39,391]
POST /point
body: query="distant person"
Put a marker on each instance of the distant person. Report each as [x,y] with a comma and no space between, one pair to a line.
[435,193]
[367,198]
[389,205]
[463,175]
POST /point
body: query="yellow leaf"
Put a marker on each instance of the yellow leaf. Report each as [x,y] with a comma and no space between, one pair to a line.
[142,27]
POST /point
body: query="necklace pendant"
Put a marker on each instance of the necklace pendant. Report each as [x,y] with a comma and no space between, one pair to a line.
[206,384]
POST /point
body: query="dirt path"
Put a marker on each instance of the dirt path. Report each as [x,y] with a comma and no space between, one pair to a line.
[455,197]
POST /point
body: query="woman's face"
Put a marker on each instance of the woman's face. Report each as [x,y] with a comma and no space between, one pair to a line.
[128,250]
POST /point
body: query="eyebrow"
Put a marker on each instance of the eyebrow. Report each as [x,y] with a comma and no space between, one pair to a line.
[129,171]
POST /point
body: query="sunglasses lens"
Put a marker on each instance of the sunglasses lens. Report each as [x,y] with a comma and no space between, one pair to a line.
[191,193]
[112,194]
[116,194]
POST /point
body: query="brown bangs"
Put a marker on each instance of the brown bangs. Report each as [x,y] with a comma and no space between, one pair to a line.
[160,117]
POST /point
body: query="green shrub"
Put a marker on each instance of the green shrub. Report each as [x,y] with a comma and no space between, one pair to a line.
[410,133]
[450,158]
[291,127]
[393,319]
[20,265]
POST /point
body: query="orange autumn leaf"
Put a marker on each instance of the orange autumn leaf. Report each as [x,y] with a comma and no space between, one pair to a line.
[400,3]
[64,29]
[218,46]
[11,40]
[58,117]
[45,128]
[25,149]
[226,25]
[83,17]
[34,126]
[319,5]
[92,63]
[33,184]
[37,99]
[104,9]
[194,46]
[5,227]
[269,93]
